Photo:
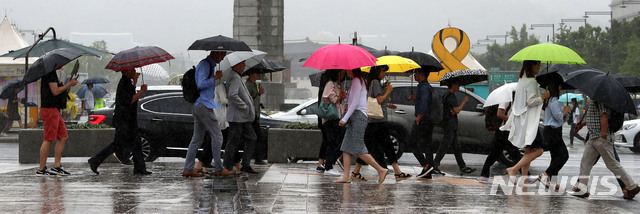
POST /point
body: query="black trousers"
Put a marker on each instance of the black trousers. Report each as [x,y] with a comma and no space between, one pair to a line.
[500,143]
[449,142]
[239,134]
[378,142]
[126,140]
[422,134]
[260,151]
[574,133]
[333,133]
[555,145]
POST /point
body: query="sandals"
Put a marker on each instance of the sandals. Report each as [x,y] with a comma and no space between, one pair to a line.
[357,177]
[203,171]
[402,176]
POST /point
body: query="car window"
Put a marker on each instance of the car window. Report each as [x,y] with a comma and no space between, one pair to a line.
[399,95]
[169,105]
[471,104]
[312,109]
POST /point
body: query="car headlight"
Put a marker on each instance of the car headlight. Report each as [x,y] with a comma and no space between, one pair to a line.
[629,126]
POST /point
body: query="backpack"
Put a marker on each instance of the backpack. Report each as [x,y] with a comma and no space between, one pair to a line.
[491,120]
[616,119]
[436,107]
[190,90]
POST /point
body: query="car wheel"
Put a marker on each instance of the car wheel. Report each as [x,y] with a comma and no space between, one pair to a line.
[147,152]
[510,158]
[636,144]
[396,140]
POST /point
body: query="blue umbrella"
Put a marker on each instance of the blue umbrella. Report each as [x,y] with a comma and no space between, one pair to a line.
[95,80]
[98,91]
[565,98]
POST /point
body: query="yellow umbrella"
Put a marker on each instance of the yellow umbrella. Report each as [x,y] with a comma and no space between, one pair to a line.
[397,64]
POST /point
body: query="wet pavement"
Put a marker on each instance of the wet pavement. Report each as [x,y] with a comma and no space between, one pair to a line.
[293,188]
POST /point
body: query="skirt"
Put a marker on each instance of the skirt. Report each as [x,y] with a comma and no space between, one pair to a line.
[353,142]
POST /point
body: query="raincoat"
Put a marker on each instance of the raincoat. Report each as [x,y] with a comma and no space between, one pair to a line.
[525,113]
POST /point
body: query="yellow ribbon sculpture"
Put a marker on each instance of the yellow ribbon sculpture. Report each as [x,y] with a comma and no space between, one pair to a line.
[451,61]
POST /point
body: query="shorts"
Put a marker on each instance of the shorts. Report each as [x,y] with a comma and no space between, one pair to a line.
[537,142]
[54,127]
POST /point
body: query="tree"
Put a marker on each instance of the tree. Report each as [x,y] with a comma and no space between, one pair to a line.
[632,62]
[591,43]
[498,55]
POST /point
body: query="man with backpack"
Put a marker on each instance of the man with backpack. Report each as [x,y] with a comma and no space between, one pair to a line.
[423,128]
[204,119]
[600,143]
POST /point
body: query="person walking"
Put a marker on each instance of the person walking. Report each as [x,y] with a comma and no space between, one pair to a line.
[127,138]
[54,98]
[11,114]
[524,118]
[553,120]
[450,127]
[356,116]
[600,143]
[330,91]
[204,118]
[422,129]
[206,156]
[87,101]
[500,144]
[255,91]
[240,115]
[376,136]
[575,117]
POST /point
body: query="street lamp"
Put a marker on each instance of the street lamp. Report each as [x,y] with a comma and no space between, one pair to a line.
[553,30]
[499,36]
[564,21]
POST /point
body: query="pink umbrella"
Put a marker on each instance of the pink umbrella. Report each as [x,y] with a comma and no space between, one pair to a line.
[340,56]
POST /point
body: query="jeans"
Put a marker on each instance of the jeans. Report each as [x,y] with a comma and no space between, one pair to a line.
[126,140]
[422,134]
[557,148]
[334,135]
[239,134]
[204,120]
[500,143]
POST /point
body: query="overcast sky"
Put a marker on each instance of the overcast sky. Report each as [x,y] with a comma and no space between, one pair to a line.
[397,24]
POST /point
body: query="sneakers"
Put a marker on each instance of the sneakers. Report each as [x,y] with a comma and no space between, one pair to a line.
[631,193]
[437,171]
[484,180]
[332,172]
[426,172]
[467,170]
[320,169]
[44,172]
[60,171]
[248,169]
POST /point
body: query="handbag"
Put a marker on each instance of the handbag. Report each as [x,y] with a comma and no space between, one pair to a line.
[328,111]
[374,110]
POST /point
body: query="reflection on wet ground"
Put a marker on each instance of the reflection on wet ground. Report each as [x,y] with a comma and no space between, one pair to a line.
[279,188]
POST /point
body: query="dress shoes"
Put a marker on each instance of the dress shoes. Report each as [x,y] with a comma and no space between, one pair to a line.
[192,174]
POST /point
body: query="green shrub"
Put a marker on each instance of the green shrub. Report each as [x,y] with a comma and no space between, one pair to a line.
[299,125]
[84,126]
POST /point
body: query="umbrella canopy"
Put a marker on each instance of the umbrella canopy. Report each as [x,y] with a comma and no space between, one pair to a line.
[154,70]
[381,53]
[464,77]
[45,46]
[555,73]
[567,97]
[602,88]
[49,62]
[219,43]
[340,56]
[265,66]
[95,80]
[632,84]
[548,53]
[250,58]
[501,94]
[98,91]
[315,78]
[137,57]
[397,64]
[427,62]
[7,89]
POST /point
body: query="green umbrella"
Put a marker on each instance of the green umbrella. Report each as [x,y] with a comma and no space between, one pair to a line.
[52,44]
[548,53]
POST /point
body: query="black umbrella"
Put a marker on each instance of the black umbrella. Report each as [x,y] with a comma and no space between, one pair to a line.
[315,78]
[52,44]
[603,88]
[219,43]
[49,62]
[427,62]
[551,74]
[264,67]
[632,84]
[7,89]
[381,53]
[95,80]
[464,77]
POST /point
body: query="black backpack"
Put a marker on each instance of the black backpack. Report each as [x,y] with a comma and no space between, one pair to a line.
[436,106]
[616,119]
[190,90]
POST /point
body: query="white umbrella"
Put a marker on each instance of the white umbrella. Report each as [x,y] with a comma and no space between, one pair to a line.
[251,59]
[153,70]
[501,94]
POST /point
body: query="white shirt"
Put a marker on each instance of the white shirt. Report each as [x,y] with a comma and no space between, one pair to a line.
[88,98]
